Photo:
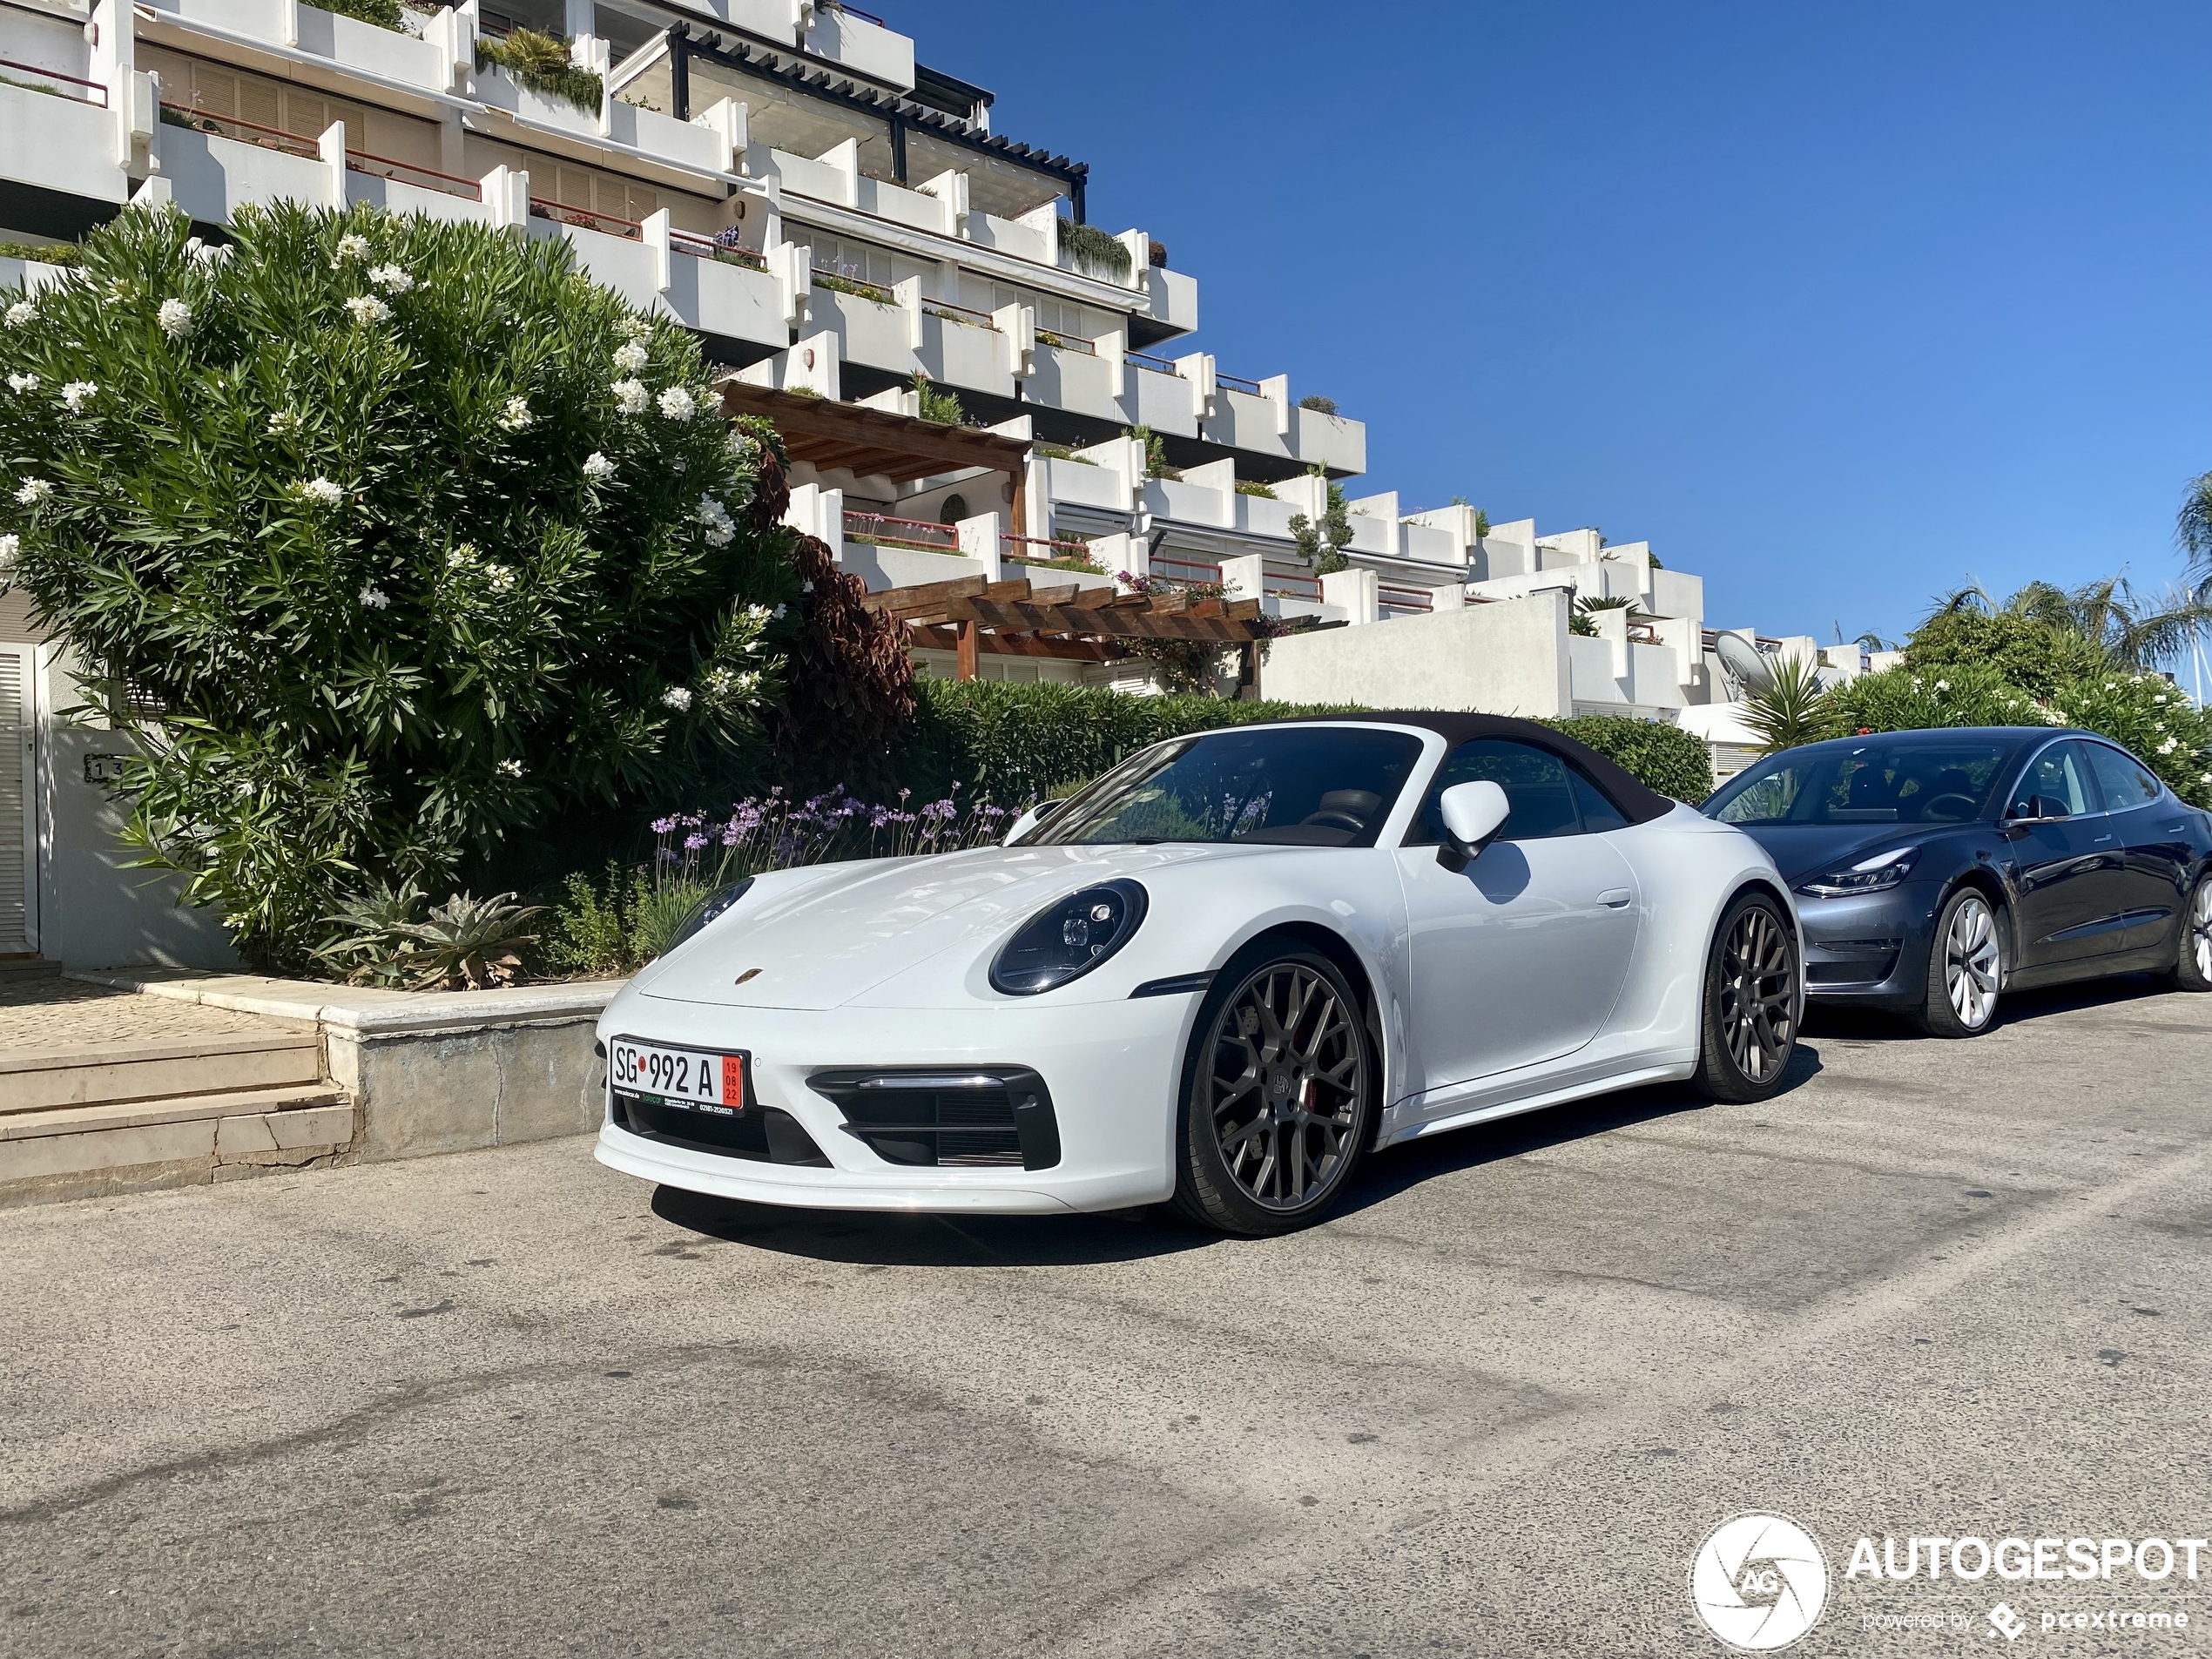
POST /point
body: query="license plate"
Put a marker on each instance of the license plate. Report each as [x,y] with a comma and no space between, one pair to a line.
[694,1079]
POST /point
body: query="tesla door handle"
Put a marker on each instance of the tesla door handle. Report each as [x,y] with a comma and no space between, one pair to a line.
[1615,898]
[2100,841]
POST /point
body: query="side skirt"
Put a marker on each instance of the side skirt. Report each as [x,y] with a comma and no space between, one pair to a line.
[1503,1100]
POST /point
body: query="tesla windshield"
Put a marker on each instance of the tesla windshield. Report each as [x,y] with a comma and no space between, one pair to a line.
[1913,779]
[1315,785]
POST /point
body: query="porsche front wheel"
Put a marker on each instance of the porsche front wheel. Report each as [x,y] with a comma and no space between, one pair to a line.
[1279,1096]
[1751,1002]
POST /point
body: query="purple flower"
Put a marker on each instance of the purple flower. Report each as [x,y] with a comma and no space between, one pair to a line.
[694,841]
[668,855]
[662,826]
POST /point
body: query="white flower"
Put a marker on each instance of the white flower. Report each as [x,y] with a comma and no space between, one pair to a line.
[175,318]
[374,598]
[516,414]
[631,396]
[742,446]
[498,578]
[322,491]
[283,424]
[461,557]
[21,313]
[34,491]
[597,467]
[677,698]
[512,768]
[367,308]
[2160,699]
[390,278]
[716,517]
[777,613]
[353,247]
[757,615]
[677,404]
[1943,685]
[630,357]
[10,551]
[23,382]
[634,328]
[2167,747]
[77,394]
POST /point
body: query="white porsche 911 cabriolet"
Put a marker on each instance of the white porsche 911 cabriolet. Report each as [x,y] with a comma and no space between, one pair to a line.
[1218,975]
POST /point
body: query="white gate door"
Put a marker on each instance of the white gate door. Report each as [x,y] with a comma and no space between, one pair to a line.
[18,837]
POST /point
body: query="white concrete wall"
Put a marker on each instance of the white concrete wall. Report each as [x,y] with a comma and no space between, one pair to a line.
[1508,658]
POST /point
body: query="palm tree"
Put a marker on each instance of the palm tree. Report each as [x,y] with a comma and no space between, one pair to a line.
[2193,527]
[2138,634]
[1790,710]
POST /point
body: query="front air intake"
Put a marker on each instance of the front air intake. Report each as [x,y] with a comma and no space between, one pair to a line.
[977,1116]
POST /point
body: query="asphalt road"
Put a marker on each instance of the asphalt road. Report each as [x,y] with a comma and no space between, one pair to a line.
[510,1403]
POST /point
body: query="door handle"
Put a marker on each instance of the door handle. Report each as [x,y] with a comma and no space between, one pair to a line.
[1615,898]
[2100,841]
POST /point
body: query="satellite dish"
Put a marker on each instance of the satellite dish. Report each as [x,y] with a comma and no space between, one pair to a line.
[1752,668]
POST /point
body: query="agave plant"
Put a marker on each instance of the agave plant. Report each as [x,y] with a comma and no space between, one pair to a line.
[467,944]
[366,948]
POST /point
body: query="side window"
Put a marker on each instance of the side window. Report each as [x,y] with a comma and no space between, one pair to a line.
[1599,814]
[2124,783]
[1538,787]
[2060,773]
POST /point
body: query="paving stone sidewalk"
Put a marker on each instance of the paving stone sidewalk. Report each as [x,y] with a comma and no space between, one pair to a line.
[49,1013]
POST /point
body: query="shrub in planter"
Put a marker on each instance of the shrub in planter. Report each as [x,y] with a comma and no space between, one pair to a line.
[416,540]
[1661,757]
[540,62]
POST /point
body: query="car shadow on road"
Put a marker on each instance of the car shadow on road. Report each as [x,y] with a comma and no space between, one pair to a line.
[869,1239]
[1411,1163]
[1876,1024]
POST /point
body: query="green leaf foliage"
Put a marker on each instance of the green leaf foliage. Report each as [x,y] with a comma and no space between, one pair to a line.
[2032,656]
[416,540]
[1662,757]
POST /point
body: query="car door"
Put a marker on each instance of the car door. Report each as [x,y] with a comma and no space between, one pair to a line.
[2153,841]
[2067,871]
[1520,957]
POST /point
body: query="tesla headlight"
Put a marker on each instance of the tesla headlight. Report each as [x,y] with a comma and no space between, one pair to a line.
[705,911]
[1068,938]
[1877,874]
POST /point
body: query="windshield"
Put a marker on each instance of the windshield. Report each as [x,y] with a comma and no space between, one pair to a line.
[1883,781]
[1288,785]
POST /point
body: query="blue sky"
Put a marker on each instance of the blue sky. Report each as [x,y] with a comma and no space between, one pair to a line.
[1838,307]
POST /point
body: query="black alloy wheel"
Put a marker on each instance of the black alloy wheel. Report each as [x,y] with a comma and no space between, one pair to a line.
[1752,1002]
[1279,1095]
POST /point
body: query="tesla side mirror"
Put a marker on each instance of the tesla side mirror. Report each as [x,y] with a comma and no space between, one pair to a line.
[1473,815]
[2037,809]
[1028,821]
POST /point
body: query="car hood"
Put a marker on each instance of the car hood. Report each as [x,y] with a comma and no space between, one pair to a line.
[831,936]
[1802,851]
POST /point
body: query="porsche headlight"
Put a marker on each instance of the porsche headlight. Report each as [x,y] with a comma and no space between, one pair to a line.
[705,911]
[1068,938]
[1877,874]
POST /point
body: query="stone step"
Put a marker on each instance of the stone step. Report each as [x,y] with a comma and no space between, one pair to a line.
[35,1080]
[22,967]
[81,1151]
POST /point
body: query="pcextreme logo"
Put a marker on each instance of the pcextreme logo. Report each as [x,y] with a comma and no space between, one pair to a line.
[1758,1582]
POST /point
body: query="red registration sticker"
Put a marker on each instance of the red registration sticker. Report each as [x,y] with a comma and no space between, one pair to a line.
[733,1081]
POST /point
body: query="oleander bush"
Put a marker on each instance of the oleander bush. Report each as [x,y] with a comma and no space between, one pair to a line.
[1661,757]
[399,546]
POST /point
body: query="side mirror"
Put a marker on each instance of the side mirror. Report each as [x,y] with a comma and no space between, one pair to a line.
[1029,820]
[2037,809]
[1473,815]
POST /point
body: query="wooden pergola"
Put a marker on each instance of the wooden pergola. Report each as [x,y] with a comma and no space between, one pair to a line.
[1067,622]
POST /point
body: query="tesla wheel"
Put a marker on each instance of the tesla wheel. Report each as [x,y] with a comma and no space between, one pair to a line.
[2191,970]
[1965,968]
[1752,1000]
[1278,1098]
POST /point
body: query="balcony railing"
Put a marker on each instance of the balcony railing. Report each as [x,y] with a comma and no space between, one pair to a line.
[1170,568]
[1158,365]
[1237,383]
[1290,584]
[82,95]
[1389,599]
[408,173]
[952,312]
[706,247]
[843,282]
[587,218]
[1051,553]
[267,137]
[1067,342]
[917,533]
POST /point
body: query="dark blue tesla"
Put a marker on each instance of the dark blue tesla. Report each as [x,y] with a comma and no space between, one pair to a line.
[1935,870]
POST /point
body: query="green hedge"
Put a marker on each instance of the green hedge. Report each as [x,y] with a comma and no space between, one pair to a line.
[1017,743]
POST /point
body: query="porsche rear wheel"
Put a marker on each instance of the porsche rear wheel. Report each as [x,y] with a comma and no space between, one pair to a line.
[1752,1001]
[1279,1096]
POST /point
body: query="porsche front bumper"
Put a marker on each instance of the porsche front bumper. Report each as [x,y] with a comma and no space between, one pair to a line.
[1112,1070]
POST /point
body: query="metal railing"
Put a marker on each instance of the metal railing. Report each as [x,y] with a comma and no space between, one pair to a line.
[945,539]
[1067,342]
[586,219]
[870,290]
[1157,364]
[56,75]
[866,16]
[1237,383]
[1389,599]
[1290,584]
[1174,569]
[271,138]
[1055,550]
[967,314]
[706,247]
[451,184]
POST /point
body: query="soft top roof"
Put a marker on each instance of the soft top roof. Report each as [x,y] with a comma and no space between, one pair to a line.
[1638,804]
